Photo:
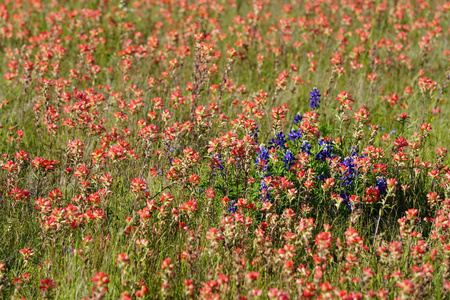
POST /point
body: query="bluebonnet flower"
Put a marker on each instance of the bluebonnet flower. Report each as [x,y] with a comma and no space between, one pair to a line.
[325,151]
[322,177]
[382,185]
[298,118]
[263,158]
[254,134]
[306,147]
[218,159]
[265,195]
[288,160]
[351,172]
[295,135]
[314,99]
[344,195]
[278,141]
[354,151]
[231,208]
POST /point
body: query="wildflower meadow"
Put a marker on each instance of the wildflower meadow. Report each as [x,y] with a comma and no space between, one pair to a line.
[224,149]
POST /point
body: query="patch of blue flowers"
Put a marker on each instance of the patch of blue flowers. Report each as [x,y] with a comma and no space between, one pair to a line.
[279,141]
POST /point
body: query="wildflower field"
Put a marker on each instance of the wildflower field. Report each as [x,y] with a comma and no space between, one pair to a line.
[224,149]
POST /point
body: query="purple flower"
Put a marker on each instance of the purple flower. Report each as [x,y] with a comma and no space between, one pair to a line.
[219,161]
[306,147]
[263,158]
[382,185]
[325,150]
[265,195]
[231,207]
[278,141]
[298,118]
[351,172]
[295,135]
[314,99]
[288,160]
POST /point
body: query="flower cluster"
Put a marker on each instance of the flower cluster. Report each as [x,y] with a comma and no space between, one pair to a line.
[314,99]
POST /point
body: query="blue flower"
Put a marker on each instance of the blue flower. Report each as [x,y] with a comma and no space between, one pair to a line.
[382,185]
[351,172]
[298,118]
[295,135]
[254,134]
[314,99]
[278,141]
[263,158]
[325,151]
[231,208]
[288,160]
[306,147]
[265,195]
[344,195]
[219,161]
[354,151]
[322,177]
